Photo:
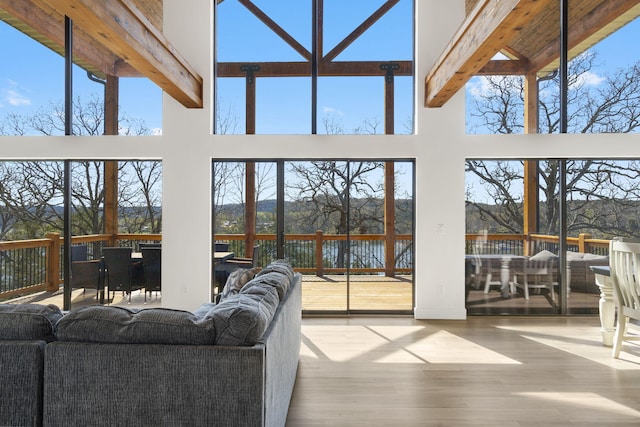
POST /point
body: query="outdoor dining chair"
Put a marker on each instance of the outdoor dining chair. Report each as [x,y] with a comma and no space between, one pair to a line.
[85,273]
[152,264]
[122,273]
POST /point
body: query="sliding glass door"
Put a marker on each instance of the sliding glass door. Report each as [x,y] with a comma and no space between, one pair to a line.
[347,226]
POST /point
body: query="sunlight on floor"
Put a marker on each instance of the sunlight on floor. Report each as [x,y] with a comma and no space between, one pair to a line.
[394,344]
[586,400]
[587,345]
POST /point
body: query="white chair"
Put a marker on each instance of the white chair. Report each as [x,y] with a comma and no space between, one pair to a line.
[537,274]
[487,269]
[624,259]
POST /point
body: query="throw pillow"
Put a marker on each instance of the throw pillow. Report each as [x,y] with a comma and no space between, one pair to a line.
[236,281]
[29,321]
[120,325]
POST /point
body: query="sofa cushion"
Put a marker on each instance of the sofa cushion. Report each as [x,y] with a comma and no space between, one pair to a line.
[29,321]
[135,326]
[280,282]
[279,266]
[544,255]
[574,256]
[594,257]
[243,318]
[236,281]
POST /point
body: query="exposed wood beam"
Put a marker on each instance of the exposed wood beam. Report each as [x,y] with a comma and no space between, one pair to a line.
[504,68]
[303,69]
[121,28]
[598,20]
[360,30]
[273,26]
[486,30]
[46,26]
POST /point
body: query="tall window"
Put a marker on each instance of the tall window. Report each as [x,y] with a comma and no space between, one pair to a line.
[314,66]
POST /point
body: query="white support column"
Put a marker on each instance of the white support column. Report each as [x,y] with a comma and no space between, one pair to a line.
[440,286]
[186,228]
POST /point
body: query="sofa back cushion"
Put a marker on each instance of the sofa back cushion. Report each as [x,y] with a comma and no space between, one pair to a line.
[29,321]
[135,326]
[243,318]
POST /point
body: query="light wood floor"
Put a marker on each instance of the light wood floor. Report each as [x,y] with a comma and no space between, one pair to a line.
[483,371]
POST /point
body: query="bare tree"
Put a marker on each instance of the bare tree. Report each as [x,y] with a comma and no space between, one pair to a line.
[31,191]
[601,193]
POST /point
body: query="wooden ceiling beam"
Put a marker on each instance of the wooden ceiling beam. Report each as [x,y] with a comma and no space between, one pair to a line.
[487,29]
[303,69]
[596,21]
[504,68]
[46,26]
[122,28]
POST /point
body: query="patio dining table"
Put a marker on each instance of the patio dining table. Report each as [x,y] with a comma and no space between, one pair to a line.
[505,261]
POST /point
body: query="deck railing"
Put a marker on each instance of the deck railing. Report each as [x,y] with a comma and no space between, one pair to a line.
[521,244]
[37,265]
[34,265]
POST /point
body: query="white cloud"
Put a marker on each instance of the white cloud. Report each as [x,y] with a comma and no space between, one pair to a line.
[156,131]
[590,79]
[13,97]
[330,110]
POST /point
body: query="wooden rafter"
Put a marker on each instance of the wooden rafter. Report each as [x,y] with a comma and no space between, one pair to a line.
[45,25]
[361,29]
[121,28]
[303,69]
[601,20]
[504,68]
[486,30]
[277,29]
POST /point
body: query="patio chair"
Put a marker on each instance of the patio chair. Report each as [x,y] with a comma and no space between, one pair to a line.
[230,265]
[625,273]
[152,264]
[537,274]
[141,246]
[85,273]
[122,273]
[487,268]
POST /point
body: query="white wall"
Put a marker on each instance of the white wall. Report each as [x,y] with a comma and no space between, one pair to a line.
[440,147]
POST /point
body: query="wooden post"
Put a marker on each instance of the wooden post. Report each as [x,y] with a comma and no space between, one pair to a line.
[530,207]
[250,209]
[389,220]
[53,263]
[319,257]
[111,167]
[250,167]
[389,177]
[583,245]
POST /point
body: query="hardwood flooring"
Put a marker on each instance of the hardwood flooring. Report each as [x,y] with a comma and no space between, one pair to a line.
[483,371]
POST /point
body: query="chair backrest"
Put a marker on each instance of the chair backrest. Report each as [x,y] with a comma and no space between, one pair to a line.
[152,263]
[221,247]
[256,254]
[79,253]
[141,246]
[117,262]
[624,260]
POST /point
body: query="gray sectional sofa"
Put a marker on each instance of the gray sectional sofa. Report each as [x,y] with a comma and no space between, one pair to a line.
[229,364]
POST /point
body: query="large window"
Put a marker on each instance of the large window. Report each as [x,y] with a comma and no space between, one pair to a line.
[314,66]
[32,93]
[346,225]
[601,201]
